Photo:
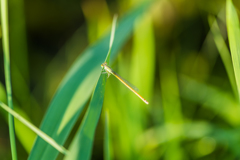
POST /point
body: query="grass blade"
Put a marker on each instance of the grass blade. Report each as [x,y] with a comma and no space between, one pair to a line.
[81,147]
[77,86]
[23,133]
[172,110]
[5,41]
[223,51]
[234,39]
[107,138]
[111,38]
[34,129]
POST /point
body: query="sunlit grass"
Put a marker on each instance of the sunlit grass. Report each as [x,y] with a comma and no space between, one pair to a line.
[180,63]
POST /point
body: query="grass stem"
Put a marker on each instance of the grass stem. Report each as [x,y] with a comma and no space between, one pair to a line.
[6,54]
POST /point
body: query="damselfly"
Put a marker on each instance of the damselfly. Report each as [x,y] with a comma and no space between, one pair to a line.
[110,71]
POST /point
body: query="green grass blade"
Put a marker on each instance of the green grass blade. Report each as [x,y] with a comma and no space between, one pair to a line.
[111,38]
[23,133]
[81,146]
[5,41]
[19,55]
[172,110]
[223,51]
[140,72]
[77,86]
[142,68]
[234,39]
[18,41]
[107,138]
[34,129]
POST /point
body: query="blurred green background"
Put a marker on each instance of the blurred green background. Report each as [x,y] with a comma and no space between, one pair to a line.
[174,57]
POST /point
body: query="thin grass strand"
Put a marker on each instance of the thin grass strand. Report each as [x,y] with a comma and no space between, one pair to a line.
[40,133]
[111,37]
[6,55]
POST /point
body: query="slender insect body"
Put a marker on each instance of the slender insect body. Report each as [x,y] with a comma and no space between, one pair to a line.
[110,71]
[107,69]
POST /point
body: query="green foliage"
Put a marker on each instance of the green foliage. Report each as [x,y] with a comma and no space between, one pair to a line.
[76,88]
[175,52]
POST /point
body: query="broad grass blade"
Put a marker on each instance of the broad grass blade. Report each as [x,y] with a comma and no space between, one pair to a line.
[81,146]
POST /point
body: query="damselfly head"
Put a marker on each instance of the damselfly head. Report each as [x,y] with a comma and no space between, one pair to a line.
[103,64]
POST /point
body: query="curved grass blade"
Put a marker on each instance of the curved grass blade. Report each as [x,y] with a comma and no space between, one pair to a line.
[234,39]
[77,86]
[223,51]
[34,129]
[114,23]
[23,133]
[81,146]
[5,41]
